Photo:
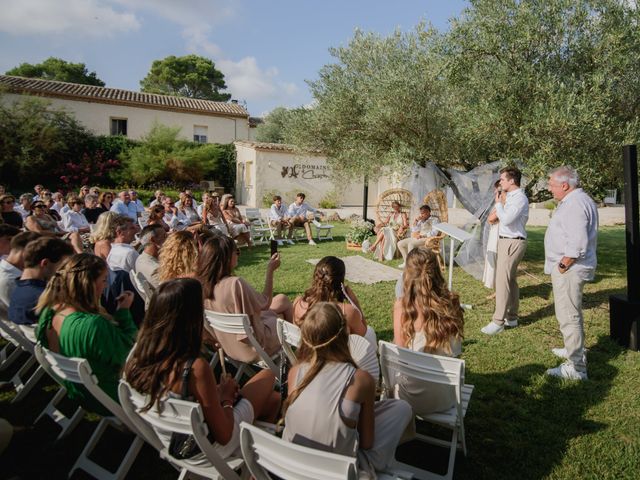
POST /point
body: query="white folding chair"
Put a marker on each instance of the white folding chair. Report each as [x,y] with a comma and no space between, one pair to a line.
[258,227]
[239,324]
[142,286]
[362,351]
[180,416]
[265,453]
[11,350]
[77,370]
[323,230]
[26,377]
[435,370]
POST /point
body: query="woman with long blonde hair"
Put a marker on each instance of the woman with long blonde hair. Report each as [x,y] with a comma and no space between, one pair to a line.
[332,404]
[103,234]
[427,318]
[178,257]
[73,323]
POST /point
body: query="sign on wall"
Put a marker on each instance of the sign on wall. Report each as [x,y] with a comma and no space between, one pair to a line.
[306,171]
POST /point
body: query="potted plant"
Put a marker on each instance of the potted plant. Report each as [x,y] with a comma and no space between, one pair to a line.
[359,232]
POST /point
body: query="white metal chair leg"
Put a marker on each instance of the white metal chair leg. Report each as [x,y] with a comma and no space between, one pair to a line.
[6,358]
[23,388]
[66,424]
[86,464]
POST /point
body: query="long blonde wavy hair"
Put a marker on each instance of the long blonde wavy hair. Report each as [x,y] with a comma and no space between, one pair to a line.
[426,296]
[105,227]
[178,256]
[325,338]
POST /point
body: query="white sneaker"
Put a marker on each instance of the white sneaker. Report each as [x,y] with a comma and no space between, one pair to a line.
[401,266]
[568,372]
[510,323]
[291,242]
[280,243]
[492,328]
[312,243]
[560,352]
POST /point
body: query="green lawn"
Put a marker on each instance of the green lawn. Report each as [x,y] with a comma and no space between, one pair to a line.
[520,423]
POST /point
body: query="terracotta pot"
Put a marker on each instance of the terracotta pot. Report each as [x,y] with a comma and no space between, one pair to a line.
[354,246]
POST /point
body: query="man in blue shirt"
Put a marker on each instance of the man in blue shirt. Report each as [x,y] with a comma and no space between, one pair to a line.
[42,257]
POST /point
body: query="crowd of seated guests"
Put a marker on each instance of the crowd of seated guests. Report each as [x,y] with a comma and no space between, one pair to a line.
[85,305]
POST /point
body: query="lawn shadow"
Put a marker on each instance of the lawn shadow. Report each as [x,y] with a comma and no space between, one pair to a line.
[524,421]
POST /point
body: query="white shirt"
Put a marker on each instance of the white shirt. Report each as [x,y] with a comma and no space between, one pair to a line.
[513,215]
[276,213]
[128,209]
[199,209]
[425,227]
[298,210]
[139,205]
[74,221]
[21,210]
[57,207]
[8,276]
[573,232]
[122,257]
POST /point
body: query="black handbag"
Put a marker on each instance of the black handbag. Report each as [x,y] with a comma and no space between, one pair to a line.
[183,445]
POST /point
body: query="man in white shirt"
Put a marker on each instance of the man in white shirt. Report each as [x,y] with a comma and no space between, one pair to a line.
[421,229]
[24,207]
[171,215]
[122,255]
[512,210]
[74,220]
[124,206]
[279,219]
[137,202]
[199,208]
[570,258]
[11,268]
[298,213]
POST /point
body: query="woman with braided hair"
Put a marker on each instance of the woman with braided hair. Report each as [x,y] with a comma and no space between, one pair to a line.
[74,324]
[426,318]
[331,404]
[328,286]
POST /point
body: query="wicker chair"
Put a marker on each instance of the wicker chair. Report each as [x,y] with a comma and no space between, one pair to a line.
[386,198]
[437,201]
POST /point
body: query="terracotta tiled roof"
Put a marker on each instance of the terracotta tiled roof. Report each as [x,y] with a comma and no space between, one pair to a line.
[75,91]
[275,147]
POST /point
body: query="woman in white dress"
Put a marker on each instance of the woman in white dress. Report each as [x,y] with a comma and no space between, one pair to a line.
[389,231]
[212,215]
[331,405]
[238,227]
[426,318]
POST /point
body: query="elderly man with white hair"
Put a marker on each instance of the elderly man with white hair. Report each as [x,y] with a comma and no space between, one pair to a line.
[570,259]
[124,206]
[152,237]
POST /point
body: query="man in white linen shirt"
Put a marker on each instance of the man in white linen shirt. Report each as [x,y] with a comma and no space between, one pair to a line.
[137,202]
[570,258]
[124,206]
[122,255]
[512,210]
[74,220]
[298,212]
[279,219]
[421,229]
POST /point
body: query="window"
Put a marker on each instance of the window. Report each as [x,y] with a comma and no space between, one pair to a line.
[119,126]
[200,134]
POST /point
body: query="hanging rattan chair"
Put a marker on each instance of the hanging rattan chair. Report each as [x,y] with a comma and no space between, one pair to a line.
[386,198]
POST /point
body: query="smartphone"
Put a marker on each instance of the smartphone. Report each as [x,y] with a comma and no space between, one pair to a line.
[274,247]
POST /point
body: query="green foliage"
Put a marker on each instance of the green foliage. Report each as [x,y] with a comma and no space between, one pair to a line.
[164,158]
[332,199]
[275,124]
[57,69]
[267,198]
[189,76]
[359,231]
[546,83]
[37,140]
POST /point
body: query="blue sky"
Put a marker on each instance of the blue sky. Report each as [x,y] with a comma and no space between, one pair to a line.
[266,49]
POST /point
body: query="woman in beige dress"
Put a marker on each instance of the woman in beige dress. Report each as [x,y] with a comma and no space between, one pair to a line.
[426,318]
[238,227]
[331,405]
[226,293]
[389,231]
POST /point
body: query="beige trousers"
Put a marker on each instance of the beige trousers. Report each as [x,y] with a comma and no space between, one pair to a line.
[510,253]
[567,299]
[407,244]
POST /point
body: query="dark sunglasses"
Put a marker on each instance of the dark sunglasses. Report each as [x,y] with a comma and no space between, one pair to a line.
[38,206]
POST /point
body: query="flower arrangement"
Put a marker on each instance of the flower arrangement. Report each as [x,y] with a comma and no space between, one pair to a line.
[360,231]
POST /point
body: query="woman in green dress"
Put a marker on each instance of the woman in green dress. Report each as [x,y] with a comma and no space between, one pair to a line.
[73,323]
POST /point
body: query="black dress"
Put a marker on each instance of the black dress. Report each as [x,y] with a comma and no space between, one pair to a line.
[12,218]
